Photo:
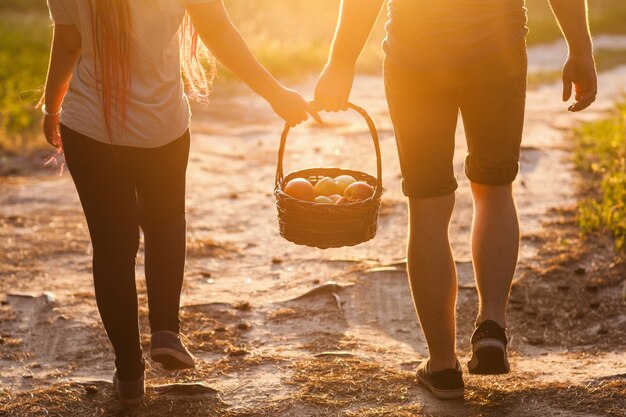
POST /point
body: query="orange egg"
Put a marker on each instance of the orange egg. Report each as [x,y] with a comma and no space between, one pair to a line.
[327,186]
[300,189]
[358,191]
[323,200]
[344,181]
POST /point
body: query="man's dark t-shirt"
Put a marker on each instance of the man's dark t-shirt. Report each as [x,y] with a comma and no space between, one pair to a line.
[446,34]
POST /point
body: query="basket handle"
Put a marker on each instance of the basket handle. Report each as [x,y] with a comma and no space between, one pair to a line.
[373,132]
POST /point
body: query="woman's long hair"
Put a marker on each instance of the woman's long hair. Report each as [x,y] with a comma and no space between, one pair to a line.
[112,46]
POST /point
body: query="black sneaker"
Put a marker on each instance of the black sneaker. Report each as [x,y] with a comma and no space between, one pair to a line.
[167,349]
[446,384]
[489,350]
[130,393]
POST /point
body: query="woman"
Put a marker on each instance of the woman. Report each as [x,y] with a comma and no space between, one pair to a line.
[115,105]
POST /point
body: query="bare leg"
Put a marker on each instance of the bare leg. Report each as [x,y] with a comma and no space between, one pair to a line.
[495,246]
[432,276]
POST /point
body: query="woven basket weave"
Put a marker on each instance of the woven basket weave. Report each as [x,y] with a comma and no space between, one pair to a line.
[328,225]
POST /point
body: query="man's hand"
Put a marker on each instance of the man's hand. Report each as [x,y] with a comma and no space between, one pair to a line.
[333,87]
[580,71]
[356,19]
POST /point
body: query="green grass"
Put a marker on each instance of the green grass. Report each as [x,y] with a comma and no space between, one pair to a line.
[24,5]
[605,16]
[606,59]
[24,40]
[601,152]
[290,37]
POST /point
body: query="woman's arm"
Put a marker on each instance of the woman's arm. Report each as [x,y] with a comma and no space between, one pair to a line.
[579,69]
[357,17]
[225,42]
[66,47]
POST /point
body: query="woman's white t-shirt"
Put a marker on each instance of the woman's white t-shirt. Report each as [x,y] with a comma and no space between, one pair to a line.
[157,107]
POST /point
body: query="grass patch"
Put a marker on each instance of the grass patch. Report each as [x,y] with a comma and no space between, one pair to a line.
[538,78]
[298,44]
[332,388]
[605,16]
[289,41]
[24,5]
[294,37]
[493,398]
[24,43]
[606,59]
[340,384]
[601,152]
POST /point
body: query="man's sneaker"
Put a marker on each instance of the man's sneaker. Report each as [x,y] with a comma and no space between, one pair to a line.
[489,350]
[446,384]
[130,393]
[167,349]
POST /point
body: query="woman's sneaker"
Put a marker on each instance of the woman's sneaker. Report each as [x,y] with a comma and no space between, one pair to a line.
[167,349]
[446,384]
[489,350]
[130,393]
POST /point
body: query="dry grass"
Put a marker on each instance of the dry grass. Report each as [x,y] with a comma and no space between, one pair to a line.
[328,387]
[6,314]
[35,240]
[340,383]
[604,397]
[11,349]
[386,411]
[98,399]
[578,275]
[285,314]
[583,278]
[330,342]
[202,248]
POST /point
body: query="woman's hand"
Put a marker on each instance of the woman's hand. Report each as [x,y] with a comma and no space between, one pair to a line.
[51,125]
[333,87]
[291,107]
[580,70]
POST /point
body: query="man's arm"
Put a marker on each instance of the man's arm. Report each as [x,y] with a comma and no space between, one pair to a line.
[356,19]
[579,68]
[225,42]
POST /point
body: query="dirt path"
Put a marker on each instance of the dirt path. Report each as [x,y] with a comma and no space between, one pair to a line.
[275,338]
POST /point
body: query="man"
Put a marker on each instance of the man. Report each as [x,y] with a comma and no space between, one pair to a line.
[443,57]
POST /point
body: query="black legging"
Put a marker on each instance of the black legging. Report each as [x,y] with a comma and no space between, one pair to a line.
[123,188]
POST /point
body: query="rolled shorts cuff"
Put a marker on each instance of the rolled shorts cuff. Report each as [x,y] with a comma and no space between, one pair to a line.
[501,177]
[420,191]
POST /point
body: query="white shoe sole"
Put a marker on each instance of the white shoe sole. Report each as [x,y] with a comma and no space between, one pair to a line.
[446,394]
[489,358]
[171,358]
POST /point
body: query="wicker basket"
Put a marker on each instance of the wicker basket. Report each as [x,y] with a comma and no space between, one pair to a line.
[328,225]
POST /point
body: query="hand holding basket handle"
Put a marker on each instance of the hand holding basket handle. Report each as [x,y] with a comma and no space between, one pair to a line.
[328,225]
